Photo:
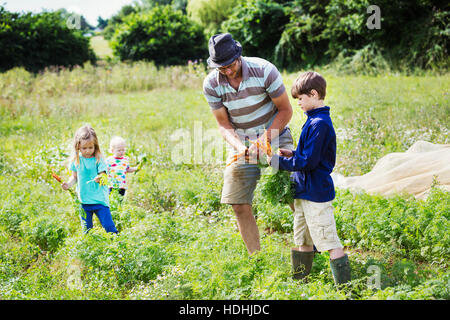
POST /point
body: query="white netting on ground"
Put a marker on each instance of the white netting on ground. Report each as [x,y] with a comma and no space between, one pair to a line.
[411,172]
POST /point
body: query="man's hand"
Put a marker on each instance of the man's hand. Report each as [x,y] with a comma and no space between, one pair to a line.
[253,152]
[285,153]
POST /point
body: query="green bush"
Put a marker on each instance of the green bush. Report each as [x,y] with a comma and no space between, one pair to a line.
[210,13]
[413,34]
[257,25]
[117,19]
[301,43]
[162,35]
[37,41]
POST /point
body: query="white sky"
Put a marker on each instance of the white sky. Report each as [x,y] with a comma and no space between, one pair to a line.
[90,9]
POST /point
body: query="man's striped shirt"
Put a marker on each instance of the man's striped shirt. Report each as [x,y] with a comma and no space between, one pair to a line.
[251,106]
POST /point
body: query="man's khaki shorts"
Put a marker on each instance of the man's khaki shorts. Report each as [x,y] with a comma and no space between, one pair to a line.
[314,224]
[240,178]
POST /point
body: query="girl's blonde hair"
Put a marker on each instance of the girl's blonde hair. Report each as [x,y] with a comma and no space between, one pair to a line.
[115,141]
[85,133]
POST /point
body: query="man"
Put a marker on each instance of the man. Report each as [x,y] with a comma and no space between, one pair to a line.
[249,101]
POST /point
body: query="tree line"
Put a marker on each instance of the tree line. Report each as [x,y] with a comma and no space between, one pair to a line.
[293,34]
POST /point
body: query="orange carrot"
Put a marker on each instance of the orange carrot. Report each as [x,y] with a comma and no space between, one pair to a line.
[236,157]
[58,178]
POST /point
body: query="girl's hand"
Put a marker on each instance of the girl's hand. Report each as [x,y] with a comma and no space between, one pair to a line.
[285,153]
[65,186]
[101,179]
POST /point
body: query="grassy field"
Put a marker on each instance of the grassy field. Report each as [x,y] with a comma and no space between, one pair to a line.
[101,47]
[176,240]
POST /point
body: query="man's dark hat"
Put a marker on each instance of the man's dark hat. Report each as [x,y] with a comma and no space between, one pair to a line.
[223,50]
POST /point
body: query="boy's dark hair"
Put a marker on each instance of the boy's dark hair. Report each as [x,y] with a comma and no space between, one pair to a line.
[308,81]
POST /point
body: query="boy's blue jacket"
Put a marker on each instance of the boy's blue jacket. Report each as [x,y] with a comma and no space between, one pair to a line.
[314,159]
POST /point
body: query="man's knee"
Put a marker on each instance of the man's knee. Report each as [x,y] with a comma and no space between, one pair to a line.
[240,209]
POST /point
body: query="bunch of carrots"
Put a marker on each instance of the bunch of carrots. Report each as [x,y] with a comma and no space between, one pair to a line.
[261,144]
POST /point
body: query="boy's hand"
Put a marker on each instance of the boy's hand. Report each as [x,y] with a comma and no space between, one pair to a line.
[65,186]
[285,153]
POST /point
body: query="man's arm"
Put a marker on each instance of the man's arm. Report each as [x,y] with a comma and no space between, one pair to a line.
[226,130]
[283,117]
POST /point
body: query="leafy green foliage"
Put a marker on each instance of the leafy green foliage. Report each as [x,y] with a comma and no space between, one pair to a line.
[127,260]
[210,13]
[47,232]
[176,240]
[413,34]
[257,25]
[274,217]
[162,35]
[301,43]
[277,187]
[114,22]
[405,227]
[37,41]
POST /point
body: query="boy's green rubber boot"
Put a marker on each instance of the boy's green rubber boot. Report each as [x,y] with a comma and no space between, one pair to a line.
[301,263]
[340,268]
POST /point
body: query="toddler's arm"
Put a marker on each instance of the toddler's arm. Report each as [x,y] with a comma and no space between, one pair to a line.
[72,180]
[131,169]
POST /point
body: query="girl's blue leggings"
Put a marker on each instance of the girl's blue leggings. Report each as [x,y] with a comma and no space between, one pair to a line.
[103,214]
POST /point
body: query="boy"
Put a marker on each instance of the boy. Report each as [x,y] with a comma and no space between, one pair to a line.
[312,163]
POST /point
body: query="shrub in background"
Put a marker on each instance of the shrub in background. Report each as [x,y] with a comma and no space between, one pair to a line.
[117,19]
[162,35]
[413,34]
[301,43]
[257,25]
[36,41]
[210,13]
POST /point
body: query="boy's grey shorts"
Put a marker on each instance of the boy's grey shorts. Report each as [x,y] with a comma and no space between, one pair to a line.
[314,224]
[240,178]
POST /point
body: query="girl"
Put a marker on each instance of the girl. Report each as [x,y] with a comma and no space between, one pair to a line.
[118,165]
[88,166]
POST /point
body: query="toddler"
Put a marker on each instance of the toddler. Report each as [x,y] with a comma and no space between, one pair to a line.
[118,165]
